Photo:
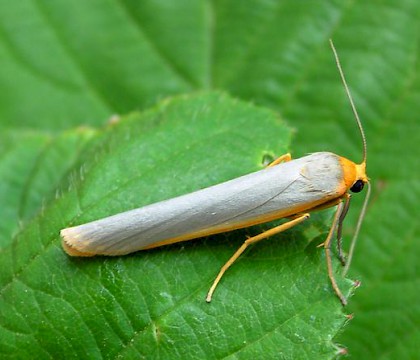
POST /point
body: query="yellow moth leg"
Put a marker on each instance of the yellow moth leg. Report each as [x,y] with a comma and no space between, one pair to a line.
[327,248]
[340,228]
[283,158]
[252,240]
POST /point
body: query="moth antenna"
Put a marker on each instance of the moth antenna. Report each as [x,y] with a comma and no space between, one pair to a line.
[356,115]
[362,133]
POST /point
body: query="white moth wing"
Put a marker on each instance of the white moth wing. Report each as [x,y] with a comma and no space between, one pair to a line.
[277,191]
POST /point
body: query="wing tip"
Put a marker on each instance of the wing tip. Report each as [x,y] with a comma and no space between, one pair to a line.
[69,243]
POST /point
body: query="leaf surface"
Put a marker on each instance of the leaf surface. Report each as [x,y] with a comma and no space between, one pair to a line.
[151,304]
[78,63]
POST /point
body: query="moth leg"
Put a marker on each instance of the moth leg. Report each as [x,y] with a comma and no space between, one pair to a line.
[252,240]
[280,159]
[340,228]
[327,248]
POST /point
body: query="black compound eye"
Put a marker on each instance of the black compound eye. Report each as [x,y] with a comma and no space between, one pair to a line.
[357,186]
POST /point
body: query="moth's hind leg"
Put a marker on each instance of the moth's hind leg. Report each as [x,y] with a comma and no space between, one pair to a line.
[252,240]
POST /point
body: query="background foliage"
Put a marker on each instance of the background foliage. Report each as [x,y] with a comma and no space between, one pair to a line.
[67,67]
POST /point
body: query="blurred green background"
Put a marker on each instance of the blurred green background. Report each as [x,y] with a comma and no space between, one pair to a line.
[68,67]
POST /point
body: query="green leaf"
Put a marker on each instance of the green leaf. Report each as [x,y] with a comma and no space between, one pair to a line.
[32,165]
[77,63]
[387,265]
[151,304]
